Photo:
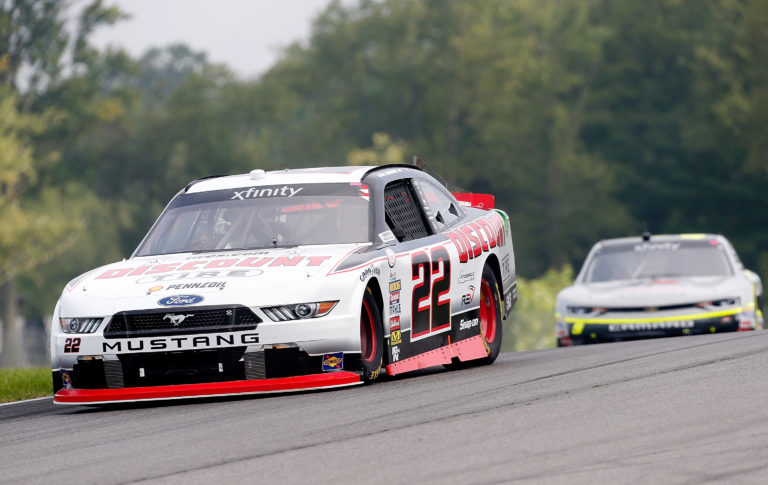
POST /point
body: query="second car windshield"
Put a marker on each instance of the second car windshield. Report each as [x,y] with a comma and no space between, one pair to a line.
[214,221]
[661,260]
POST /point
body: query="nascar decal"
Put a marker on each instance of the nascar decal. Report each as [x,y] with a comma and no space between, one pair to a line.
[233,263]
[478,237]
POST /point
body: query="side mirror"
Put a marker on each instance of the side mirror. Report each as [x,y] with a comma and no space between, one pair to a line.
[755,279]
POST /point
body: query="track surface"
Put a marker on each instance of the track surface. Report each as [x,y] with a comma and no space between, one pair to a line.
[679,410]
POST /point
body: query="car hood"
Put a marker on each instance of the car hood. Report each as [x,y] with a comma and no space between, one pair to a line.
[225,277]
[653,292]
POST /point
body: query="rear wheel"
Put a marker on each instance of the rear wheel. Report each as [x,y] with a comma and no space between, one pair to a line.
[371,338]
[490,315]
[490,321]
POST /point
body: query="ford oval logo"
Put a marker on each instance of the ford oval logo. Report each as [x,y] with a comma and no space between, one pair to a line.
[178,300]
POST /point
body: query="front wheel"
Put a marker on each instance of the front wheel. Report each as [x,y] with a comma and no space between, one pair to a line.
[371,339]
[490,315]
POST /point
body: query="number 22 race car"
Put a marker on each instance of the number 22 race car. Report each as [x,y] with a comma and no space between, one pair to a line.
[289,280]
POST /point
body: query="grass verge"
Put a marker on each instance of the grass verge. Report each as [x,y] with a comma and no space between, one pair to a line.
[531,325]
[18,384]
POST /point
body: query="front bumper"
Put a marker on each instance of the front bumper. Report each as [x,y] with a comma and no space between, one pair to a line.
[580,331]
[202,390]
[213,366]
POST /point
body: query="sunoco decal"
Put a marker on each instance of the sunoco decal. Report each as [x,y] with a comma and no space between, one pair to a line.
[333,361]
[179,300]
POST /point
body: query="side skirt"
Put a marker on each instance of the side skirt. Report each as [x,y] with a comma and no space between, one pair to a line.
[468,349]
[185,391]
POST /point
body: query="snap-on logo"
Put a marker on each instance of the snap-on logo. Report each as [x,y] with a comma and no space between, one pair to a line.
[178,300]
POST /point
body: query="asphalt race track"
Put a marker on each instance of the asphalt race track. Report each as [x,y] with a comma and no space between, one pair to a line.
[678,410]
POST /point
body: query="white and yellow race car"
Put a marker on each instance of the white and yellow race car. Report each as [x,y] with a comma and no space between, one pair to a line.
[289,280]
[658,286]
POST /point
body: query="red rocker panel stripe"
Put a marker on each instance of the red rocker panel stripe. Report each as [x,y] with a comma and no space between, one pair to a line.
[468,349]
[297,383]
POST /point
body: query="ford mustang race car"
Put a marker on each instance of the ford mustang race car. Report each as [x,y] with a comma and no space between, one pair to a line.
[289,280]
[643,287]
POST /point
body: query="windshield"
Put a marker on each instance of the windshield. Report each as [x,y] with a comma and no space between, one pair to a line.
[658,260]
[255,218]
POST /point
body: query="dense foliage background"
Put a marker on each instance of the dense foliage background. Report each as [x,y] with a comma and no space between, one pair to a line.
[585,118]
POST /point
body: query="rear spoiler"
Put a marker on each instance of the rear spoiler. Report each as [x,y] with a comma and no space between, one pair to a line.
[479,201]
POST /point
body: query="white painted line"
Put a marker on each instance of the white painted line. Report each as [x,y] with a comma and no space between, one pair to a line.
[26,400]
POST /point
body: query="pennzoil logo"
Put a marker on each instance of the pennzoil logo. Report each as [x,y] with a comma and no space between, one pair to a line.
[333,361]
[394,286]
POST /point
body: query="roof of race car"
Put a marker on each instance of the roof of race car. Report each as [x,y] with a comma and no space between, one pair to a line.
[278,177]
[619,241]
[327,175]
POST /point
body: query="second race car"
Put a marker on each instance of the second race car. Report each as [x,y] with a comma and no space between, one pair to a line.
[642,287]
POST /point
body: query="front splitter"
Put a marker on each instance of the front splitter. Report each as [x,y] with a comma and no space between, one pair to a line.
[185,391]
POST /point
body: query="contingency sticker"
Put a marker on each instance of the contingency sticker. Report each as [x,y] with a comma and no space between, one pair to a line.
[333,361]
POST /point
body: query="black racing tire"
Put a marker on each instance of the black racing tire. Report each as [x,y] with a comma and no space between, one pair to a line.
[491,324]
[371,339]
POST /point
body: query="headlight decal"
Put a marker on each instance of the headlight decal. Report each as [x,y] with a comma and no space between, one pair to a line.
[80,324]
[300,311]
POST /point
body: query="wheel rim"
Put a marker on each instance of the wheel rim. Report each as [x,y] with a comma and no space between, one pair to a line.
[367,334]
[487,312]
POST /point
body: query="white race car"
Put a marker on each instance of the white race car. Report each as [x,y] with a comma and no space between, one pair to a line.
[658,286]
[289,280]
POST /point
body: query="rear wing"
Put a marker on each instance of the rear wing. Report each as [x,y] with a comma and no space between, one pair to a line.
[479,201]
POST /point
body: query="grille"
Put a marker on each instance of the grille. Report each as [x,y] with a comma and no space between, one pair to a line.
[145,323]
[403,210]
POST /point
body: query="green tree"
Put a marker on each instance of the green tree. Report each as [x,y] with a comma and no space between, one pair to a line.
[33,230]
[39,221]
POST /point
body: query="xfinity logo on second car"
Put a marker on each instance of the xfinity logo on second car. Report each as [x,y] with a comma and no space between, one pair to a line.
[178,300]
[253,192]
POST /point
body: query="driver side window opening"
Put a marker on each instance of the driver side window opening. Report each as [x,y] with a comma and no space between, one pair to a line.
[403,213]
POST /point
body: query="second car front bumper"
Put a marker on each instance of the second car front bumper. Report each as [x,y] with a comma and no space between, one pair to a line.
[575,331]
